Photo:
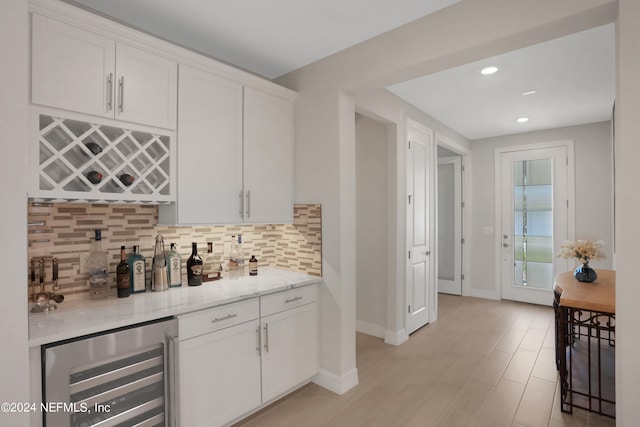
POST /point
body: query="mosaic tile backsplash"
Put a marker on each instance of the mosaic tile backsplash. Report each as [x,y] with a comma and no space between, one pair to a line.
[65,231]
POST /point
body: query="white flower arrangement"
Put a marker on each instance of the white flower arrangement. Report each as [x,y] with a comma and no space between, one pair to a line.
[583,250]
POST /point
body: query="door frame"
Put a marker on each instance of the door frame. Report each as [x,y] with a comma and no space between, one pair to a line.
[571,196]
[456,162]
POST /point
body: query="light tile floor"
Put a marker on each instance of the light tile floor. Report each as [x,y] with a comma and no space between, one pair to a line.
[483,363]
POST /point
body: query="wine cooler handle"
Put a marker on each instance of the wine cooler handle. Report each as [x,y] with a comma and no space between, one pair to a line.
[241,196]
[110,92]
[248,203]
[172,389]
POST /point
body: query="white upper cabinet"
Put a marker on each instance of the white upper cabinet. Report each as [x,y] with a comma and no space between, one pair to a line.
[210,141]
[268,157]
[236,153]
[80,71]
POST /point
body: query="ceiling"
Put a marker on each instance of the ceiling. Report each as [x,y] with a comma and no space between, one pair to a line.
[573,76]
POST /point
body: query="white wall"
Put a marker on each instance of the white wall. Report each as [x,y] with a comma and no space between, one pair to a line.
[594,202]
[14,73]
[627,154]
[371,226]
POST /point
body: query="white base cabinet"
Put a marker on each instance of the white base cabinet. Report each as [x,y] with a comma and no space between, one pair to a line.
[235,358]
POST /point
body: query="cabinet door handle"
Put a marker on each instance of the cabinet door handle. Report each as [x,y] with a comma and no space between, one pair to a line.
[171,364]
[121,94]
[266,338]
[258,340]
[241,196]
[220,319]
[248,203]
[287,301]
[110,92]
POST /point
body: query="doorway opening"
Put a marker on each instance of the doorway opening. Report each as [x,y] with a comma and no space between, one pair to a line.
[376,225]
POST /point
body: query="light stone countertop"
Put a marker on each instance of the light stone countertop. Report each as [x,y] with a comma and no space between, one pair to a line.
[79,317]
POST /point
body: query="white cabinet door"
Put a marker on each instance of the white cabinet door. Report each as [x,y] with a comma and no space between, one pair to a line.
[289,350]
[268,157]
[75,70]
[146,87]
[72,69]
[219,376]
[210,141]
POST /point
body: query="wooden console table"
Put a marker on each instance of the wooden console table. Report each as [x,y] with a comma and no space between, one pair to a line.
[585,342]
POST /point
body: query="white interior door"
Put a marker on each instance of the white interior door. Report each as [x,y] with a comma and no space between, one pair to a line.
[420,150]
[449,253]
[534,221]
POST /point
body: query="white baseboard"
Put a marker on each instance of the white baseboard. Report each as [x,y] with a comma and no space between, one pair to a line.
[336,383]
[396,337]
[370,329]
[486,294]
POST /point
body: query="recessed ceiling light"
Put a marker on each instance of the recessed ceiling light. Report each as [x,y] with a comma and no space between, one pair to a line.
[522,119]
[488,70]
[529,92]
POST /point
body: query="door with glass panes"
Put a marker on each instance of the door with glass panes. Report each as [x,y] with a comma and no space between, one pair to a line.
[534,221]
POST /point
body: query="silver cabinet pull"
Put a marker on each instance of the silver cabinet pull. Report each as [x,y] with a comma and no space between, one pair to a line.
[241,203]
[287,301]
[121,95]
[220,319]
[110,92]
[248,204]
[171,365]
[258,340]
[266,338]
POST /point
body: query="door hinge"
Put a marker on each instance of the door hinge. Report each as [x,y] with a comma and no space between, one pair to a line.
[462,204]
[409,254]
[461,168]
[409,145]
[567,203]
[462,240]
[567,160]
[409,198]
[462,277]
[409,309]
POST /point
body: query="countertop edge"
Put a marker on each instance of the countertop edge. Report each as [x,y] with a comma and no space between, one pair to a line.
[159,314]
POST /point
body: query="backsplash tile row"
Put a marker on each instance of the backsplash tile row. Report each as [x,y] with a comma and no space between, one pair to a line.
[65,231]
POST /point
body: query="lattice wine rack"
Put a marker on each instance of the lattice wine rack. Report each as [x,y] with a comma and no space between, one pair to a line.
[92,162]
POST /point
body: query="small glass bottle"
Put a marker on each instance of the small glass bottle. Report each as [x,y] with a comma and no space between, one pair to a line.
[253,266]
[138,271]
[194,267]
[174,261]
[123,275]
[211,269]
[97,266]
[240,256]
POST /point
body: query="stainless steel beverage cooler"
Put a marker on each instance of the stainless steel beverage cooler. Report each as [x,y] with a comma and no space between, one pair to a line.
[123,377]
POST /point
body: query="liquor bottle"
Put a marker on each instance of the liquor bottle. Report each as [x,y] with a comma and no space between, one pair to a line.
[233,254]
[123,275]
[174,261]
[159,273]
[211,268]
[94,177]
[240,257]
[138,271]
[126,179]
[194,267]
[253,266]
[97,265]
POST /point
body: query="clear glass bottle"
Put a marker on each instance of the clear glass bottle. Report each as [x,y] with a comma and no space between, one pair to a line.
[240,256]
[138,271]
[174,263]
[211,269]
[159,273]
[123,275]
[97,267]
[194,267]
